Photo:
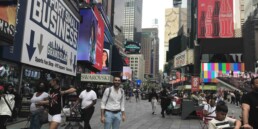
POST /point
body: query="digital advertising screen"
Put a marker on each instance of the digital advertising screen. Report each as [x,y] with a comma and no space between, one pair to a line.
[91,37]
[105,61]
[215,19]
[87,36]
[210,71]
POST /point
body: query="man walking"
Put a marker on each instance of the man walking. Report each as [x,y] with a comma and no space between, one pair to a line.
[112,105]
[88,99]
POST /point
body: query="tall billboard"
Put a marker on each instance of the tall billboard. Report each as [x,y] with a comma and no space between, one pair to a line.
[7,22]
[215,19]
[50,34]
[91,37]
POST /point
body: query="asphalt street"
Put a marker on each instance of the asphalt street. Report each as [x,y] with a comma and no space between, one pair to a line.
[139,116]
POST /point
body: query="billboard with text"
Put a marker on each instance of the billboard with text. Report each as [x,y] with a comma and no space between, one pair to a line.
[50,35]
[215,19]
[7,22]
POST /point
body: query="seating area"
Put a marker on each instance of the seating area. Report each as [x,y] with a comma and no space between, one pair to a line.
[239,81]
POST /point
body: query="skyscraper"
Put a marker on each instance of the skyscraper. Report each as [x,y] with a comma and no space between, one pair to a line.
[132,22]
[150,51]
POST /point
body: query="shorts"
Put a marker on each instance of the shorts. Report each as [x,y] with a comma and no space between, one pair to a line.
[56,118]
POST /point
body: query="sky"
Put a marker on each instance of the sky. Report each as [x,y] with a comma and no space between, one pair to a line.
[156,9]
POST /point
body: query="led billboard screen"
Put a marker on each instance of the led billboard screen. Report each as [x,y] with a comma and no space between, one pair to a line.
[215,19]
[86,35]
[210,71]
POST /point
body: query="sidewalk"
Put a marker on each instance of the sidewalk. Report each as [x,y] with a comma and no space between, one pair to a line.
[138,116]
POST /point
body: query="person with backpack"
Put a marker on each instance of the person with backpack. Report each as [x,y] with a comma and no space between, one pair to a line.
[113,105]
[7,103]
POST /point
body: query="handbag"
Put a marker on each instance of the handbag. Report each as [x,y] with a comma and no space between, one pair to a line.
[43,119]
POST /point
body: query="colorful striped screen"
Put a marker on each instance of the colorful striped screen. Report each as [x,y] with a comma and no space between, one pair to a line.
[209,71]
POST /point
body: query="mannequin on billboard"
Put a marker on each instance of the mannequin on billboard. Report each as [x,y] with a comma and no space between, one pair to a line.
[105,59]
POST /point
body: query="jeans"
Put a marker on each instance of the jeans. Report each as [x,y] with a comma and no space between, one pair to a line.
[112,120]
[35,121]
[87,114]
[154,105]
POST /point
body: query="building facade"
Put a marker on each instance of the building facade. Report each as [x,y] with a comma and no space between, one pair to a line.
[132,22]
[171,27]
[137,64]
[150,51]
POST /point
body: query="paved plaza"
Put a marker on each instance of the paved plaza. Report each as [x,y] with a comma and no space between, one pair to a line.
[139,117]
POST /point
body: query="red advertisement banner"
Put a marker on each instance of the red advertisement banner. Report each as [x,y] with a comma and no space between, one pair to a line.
[215,19]
[195,84]
[100,40]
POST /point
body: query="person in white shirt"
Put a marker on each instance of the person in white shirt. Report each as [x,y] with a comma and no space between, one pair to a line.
[113,105]
[222,120]
[88,99]
[6,107]
[209,110]
[37,111]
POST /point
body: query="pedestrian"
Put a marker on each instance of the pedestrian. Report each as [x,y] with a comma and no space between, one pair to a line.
[113,105]
[7,103]
[54,103]
[153,98]
[137,94]
[165,101]
[37,111]
[209,109]
[221,120]
[88,99]
[17,99]
[249,106]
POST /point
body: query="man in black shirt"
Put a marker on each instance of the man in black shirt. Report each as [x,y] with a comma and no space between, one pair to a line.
[250,107]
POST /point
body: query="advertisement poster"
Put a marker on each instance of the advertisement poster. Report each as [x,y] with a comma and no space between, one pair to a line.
[105,62]
[195,86]
[86,35]
[127,73]
[215,19]
[99,41]
[50,36]
[91,37]
[7,22]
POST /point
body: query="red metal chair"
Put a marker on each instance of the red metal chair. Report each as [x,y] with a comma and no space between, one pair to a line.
[203,120]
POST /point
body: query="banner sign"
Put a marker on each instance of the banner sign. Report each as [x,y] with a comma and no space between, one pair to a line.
[7,23]
[195,86]
[99,40]
[215,19]
[96,78]
[180,59]
[50,36]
